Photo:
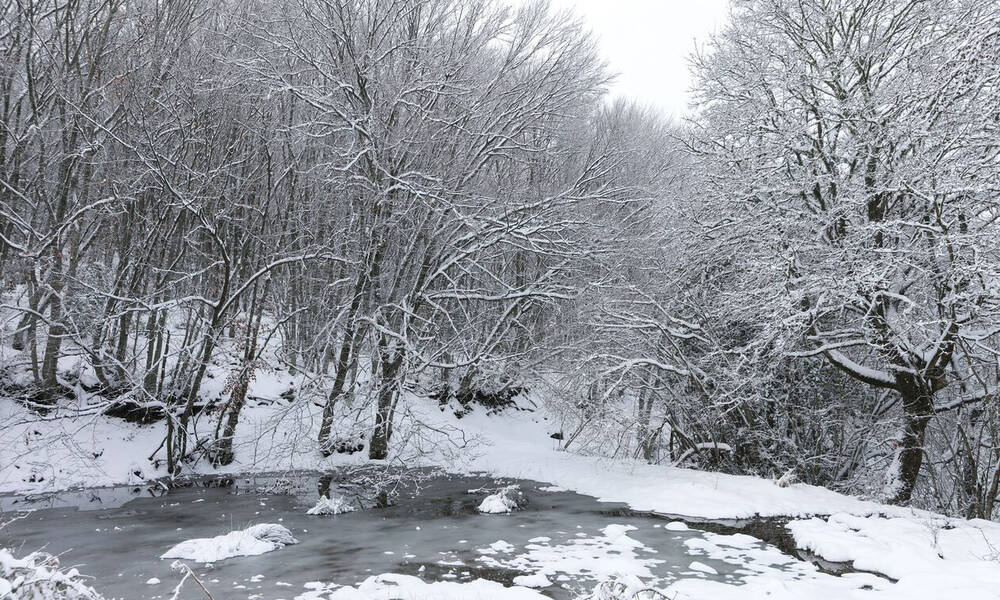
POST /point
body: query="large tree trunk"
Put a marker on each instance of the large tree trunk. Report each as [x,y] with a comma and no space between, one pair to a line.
[918,408]
[340,379]
[385,412]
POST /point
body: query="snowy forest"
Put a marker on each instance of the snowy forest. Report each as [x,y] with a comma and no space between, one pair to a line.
[277,236]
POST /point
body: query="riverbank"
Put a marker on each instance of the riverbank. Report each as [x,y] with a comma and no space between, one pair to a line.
[926,555]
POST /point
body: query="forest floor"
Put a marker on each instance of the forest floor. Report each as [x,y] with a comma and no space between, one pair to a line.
[915,554]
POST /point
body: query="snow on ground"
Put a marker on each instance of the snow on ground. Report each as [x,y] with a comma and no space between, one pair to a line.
[921,551]
[254,540]
[931,556]
[521,449]
[68,450]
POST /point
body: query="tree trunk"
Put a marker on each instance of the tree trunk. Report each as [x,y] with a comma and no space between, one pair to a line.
[224,456]
[379,447]
[340,378]
[918,408]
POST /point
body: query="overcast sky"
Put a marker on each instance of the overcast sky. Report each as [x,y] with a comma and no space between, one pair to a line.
[647,42]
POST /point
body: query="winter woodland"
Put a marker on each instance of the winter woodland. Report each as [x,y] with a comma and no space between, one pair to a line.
[338,210]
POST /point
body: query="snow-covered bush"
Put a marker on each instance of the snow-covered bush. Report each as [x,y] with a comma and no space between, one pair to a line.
[506,500]
[331,505]
[628,588]
[487,385]
[38,576]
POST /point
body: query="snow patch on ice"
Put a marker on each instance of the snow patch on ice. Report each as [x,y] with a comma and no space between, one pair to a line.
[391,586]
[532,581]
[552,488]
[611,554]
[702,567]
[258,539]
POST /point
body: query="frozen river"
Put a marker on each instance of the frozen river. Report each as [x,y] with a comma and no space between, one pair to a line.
[433,531]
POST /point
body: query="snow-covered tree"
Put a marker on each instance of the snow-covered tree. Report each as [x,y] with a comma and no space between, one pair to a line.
[851,174]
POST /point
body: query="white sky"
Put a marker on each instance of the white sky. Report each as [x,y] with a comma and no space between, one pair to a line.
[647,43]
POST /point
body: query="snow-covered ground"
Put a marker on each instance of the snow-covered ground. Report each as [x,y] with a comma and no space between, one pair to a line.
[930,556]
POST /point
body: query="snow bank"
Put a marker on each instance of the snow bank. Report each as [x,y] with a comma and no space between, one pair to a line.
[932,556]
[521,449]
[333,505]
[391,586]
[38,576]
[258,539]
[961,559]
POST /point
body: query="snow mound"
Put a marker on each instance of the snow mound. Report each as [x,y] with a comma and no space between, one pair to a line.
[334,505]
[391,586]
[532,581]
[508,499]
[702,568]
[38,576]
[258,539]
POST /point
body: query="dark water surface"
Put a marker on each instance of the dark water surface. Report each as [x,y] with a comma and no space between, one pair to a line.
[116,535]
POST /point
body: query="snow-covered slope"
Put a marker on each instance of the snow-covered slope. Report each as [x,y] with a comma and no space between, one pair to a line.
[518,446]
